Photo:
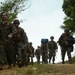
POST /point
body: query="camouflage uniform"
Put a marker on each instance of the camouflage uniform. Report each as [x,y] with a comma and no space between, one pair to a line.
[20,39]
[38,53]
[32,52]
[3,58]
[27,53]
[7,29]
[52,46]
[66,42]
[44,52]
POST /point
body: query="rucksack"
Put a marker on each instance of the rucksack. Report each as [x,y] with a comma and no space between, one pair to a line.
[44,41]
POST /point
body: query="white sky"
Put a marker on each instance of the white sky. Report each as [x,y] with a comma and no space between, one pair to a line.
[42,20]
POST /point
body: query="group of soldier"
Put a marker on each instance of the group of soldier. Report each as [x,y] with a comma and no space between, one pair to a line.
[16,49]
[48,49]
[14,45]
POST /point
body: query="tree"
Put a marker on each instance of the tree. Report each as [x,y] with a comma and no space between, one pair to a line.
[13,7]
[69,10]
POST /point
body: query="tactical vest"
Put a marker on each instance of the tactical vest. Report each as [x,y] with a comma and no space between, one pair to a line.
[52,45]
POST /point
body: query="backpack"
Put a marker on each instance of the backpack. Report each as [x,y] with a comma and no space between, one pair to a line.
[44,41]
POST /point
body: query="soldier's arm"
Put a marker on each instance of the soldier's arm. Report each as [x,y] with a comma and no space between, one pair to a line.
[13,31]
[60,38]
[24,36]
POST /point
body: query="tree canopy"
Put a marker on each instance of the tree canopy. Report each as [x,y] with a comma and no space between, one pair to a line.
[13,7]
[69,10]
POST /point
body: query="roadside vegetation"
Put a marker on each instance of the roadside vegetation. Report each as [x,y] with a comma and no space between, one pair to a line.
[42,69]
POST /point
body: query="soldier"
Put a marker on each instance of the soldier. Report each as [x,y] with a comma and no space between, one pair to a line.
[7,31]
[66,42]
[44,50]
[3,58]
[38,53]
[52,46]
[32,52]
[20,39]
[27,53]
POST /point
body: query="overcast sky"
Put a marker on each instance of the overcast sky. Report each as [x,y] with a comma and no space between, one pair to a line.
[42,19]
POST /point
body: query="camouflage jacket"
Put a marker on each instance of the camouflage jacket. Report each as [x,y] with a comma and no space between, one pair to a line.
[5,30]
[20,36]
[38,52]
[66,40]
[44,48]
[52,45]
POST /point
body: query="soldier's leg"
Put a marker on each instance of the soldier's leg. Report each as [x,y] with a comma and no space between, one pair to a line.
[27,60]
[14,55]
[38,58]
[42,58]
[19,57]
[46,58]
[63,54]
[32,60]
[3,58]
[69,55]
[24,57]
[50,56]
[54,58]
[9,54]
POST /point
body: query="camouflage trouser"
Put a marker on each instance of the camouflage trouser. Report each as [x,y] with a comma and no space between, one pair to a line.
[31,56]
[63,52]
[44,57]
[38,59]
[52,55]
[20,49]
[26,59]
[9,52]
[3,58]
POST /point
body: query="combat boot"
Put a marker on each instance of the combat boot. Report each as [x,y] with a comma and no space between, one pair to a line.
[49,61]
[63,62]
[1,67]
[9,66]
[70,61]
[53,62]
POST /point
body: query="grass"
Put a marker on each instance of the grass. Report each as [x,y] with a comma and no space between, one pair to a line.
[42,69]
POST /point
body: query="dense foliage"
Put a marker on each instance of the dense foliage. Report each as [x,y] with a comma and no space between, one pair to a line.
[13,7]
[69,10]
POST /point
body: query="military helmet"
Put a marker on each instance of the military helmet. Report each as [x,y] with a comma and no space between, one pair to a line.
[52,37]
[30,43]
[16,22]
[66,30]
